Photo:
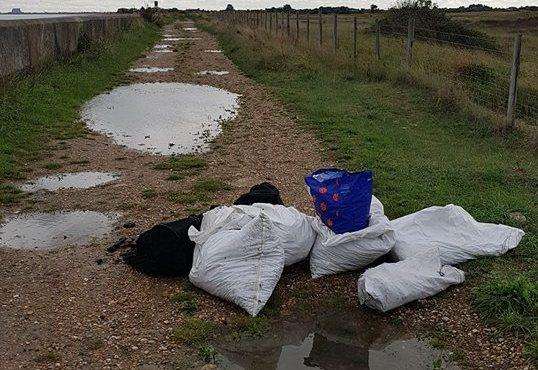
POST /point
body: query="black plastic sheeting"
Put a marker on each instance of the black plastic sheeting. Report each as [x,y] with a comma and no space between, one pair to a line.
[166,250]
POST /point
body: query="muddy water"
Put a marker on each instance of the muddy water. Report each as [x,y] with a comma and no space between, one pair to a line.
[214,73]
[172,39]
[162,118]
[45,231]
[164,51]
[151,70]
[212,51]
[332,343]
[76,180]
[161,46]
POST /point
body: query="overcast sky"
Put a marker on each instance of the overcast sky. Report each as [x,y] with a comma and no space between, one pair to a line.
[112,5]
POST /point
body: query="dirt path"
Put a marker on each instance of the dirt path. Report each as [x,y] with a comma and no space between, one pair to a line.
[79,307]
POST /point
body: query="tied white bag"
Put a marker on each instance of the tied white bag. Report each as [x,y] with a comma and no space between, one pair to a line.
[293,229]
[242,266]
[391,285]
[333,253]
[454,232]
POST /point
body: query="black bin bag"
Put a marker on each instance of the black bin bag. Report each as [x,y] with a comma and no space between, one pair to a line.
[261,193]
[165,249]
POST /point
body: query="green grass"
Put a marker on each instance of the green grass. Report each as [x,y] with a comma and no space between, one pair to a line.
[42,106]
[422,151]
[181,163]
[148,193]
[186,302]
[194,331]
[510,300]
[9,194]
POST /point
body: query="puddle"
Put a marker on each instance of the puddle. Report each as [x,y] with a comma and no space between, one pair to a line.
[150,70]
[161,46]
[189,38]
[172,39]
[163,51]
[212,51]
[215,73]
[45,231]
[75,180]
[161,118]
[190,29]
[333,343]
[169,35]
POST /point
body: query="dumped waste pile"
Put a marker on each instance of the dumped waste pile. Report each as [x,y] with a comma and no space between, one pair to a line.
[238,252]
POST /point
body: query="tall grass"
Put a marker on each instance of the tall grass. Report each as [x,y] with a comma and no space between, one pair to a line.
[438,67]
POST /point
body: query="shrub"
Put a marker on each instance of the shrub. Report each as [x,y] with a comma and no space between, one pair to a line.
[433,23]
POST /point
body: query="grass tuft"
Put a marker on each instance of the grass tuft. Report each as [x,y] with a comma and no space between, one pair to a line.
[194,331]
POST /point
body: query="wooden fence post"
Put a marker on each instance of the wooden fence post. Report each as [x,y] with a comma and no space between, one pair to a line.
[335,32]
[288,29]
[320,29]
[355,37]
[377,43]
[308,28]
[410,40]
[512,93]
[297,26]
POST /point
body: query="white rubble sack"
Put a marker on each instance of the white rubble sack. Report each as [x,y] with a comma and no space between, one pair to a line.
[333,253]
[242,266]
[454,232]
[293,229]
[391,285]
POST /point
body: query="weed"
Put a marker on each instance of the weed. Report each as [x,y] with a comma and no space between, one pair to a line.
[194,331]
[254,327]
[207,353]
[52,166]
[175,177]
[148,193]
[181,163]
[210,186]
[186,301]
[48,357]
[9,194]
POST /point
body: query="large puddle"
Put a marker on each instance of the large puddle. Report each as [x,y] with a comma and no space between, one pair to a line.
[45,231]
[162,118]
[76,180]
[333,343]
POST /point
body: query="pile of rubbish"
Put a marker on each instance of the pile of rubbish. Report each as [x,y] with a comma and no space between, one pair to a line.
[238,252]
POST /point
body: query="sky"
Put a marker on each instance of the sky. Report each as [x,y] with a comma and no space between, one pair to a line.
[112,5]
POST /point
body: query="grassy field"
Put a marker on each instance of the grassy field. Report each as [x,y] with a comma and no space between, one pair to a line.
[39,107]
[422,150]
[474,79]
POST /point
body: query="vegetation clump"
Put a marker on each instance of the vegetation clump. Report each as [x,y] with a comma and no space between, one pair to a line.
[432,23]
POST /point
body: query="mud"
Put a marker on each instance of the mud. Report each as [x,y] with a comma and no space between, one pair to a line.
[214,73]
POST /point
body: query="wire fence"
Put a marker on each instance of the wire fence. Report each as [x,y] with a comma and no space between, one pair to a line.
[493,78]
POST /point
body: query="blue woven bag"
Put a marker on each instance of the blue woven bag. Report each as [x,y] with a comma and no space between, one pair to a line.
[342,199]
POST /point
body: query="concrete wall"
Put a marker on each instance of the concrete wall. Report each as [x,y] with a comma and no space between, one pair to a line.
[27,44]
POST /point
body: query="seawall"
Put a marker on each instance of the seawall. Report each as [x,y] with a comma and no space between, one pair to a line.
[29,43]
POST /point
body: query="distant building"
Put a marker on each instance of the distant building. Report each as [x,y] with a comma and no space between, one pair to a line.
[16,11]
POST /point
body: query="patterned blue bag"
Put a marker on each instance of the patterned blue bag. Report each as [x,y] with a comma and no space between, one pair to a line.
[341,198]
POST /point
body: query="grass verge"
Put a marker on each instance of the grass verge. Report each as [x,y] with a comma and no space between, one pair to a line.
[423,152]
[39,107]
